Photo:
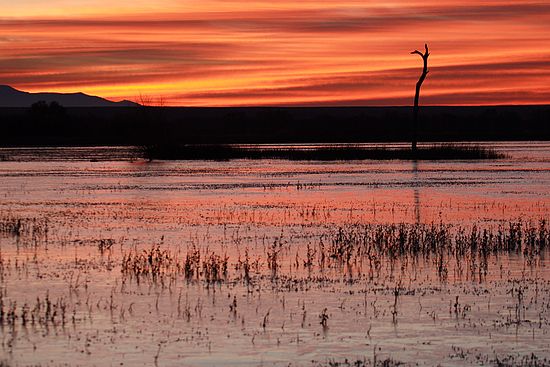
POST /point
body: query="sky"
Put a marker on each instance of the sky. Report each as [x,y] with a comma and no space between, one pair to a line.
[279,52]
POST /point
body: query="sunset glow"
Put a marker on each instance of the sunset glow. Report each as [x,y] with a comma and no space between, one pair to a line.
[224,53]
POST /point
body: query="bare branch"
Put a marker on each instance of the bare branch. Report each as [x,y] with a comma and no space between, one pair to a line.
[424,55]
[425,72]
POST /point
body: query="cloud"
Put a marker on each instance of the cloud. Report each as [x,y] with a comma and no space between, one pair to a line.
[260,52]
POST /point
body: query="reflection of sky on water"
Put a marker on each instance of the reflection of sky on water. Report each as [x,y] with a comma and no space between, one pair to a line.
[229,208]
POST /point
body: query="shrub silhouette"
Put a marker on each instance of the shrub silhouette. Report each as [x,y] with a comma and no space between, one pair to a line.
[43,109]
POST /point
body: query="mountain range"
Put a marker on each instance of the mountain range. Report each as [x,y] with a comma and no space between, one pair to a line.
[11,97]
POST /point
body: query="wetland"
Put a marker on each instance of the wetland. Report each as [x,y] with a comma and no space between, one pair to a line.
[108,259]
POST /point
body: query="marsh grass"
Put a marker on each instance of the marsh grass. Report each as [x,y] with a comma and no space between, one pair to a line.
[394,240]
[43,312]
[157,265]
[323,153]
[371,249]
[153,263]
[32,229]
[469,250]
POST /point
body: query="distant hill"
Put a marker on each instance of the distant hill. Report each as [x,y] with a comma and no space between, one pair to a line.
[11,97]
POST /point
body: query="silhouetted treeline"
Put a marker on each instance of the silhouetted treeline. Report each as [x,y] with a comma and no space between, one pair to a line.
[55,125]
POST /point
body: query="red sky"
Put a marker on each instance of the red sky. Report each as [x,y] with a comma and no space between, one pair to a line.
[279,52]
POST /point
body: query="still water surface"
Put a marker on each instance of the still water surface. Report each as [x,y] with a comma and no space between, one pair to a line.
[240,208]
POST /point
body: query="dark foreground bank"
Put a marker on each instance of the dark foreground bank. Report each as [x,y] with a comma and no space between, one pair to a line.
[153,125]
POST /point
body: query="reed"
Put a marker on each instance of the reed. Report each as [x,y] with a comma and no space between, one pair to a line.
[325,153]
[33,229]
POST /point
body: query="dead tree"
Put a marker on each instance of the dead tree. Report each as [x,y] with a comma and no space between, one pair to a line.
[417,94]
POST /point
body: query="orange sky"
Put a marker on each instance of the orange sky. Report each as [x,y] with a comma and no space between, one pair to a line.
[279,52]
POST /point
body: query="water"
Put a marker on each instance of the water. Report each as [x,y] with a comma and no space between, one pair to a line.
[90,208]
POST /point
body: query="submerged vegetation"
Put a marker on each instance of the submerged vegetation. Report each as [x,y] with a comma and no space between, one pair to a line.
[321,153]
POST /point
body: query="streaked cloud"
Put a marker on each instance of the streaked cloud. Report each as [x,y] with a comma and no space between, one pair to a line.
[216,52]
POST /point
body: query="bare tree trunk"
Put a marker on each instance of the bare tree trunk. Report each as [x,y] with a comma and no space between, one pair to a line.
[417,94]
